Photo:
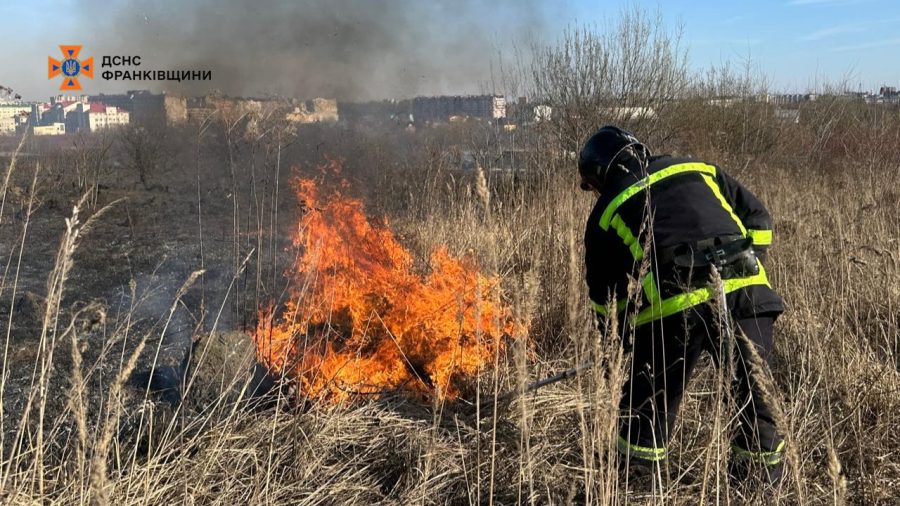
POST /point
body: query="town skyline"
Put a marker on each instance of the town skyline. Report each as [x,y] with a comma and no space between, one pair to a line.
[798,45]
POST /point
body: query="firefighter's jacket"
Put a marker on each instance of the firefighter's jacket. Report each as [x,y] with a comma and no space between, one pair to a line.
[675,201]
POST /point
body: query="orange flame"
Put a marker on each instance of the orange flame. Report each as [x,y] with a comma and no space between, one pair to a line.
[361,320]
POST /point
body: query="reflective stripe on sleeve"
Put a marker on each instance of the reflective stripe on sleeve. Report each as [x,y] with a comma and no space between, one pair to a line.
[634,246]
[761,237]
[651,290]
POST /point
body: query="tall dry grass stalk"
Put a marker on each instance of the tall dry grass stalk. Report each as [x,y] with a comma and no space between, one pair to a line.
[15,284]
[10,169]
[43,368]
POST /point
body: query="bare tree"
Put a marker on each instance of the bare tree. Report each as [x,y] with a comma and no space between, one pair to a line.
[145,149]
[627,74]
[90,164]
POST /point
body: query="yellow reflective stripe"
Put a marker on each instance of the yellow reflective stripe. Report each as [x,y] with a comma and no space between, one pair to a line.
[641,452]
[761,237]
[657,176]
[627,237]
[714,186]
[633,245]
[677,303]
[680,302]
[604,310]
[673,305]
[651,290]
[767,458]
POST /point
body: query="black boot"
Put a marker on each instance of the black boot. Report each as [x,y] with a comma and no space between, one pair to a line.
[747,473]
[636,470]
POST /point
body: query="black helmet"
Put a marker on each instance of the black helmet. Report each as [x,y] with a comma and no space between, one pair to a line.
[604,148]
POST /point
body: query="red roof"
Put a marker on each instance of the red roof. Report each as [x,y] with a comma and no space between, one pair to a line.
[98,107]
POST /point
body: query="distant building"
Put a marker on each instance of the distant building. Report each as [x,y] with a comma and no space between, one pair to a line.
[441,109]
[84,117]
[725,101]
[37,112]
[119,101]
[12,115]
[7,125]
[12,110]
[887,95]
[198,111]
[858,95]
[788,115]
[521,112]
[794,98]
[542,113]
[97,116]
[59,111]
[249,113]
[376,112]
[317,110]
[69,99]
[148,108]
[630,113]
[51,129]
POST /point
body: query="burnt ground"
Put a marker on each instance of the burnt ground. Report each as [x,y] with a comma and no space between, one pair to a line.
[149,239]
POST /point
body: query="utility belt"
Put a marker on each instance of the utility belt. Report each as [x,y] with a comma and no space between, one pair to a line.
[691,263]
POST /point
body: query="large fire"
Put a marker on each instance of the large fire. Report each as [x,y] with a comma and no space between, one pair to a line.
[362,321]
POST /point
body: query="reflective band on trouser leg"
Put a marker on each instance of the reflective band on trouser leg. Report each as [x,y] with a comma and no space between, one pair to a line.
[714,186]
[640,452]
[766,458]
[761,237]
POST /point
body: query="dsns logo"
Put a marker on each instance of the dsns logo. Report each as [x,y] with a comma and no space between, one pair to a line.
[70,68]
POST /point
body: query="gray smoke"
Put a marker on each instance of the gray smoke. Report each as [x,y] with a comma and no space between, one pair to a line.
[348,49]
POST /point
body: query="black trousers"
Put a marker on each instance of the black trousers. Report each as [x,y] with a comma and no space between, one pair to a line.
[665,353]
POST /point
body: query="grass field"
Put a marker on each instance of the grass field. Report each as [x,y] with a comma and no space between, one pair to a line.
[115,263]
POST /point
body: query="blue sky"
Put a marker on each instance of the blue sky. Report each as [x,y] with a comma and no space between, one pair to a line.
[797,44]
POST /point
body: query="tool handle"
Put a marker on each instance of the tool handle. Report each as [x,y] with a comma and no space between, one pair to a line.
[512,394]
[568,373]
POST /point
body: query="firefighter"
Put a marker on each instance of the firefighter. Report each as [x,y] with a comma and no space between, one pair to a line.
[664,224]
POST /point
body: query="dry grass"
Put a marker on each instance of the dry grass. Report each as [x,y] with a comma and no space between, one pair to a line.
[836,260]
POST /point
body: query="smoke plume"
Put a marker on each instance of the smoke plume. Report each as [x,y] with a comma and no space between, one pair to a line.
[348,49]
